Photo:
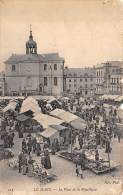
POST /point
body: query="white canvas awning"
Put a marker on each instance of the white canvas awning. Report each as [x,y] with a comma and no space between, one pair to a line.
[120,111]
[11,98]
[10,106]
[57,112]
[69,118]
[78,124]
[119,99]
[109,97]
[62,114]
[30,104]
[49,132]
[47,120]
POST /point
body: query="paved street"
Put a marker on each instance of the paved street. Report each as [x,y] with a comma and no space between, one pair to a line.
[65,170]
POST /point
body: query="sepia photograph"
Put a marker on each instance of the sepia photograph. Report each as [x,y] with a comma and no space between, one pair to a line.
[61,97]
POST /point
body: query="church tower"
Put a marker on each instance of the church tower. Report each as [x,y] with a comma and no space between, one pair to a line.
[31,45]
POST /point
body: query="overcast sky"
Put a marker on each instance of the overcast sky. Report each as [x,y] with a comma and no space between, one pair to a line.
[84,32]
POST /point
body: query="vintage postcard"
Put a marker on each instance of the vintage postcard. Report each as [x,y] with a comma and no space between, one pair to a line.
[61,97]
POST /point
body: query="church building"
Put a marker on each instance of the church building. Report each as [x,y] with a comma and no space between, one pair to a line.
[32,73]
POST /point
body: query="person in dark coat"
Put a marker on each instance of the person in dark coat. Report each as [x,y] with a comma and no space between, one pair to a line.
[77,171]
[38,149]
[34,142]
[82,160]
[47,162]
[29,145]
[10,138]
[20,161]
[24,146]
[53,148]
[96,155]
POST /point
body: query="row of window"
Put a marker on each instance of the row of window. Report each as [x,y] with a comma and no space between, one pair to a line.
[99,73]
[45,66]
[115,88]
[81,92]
[75,75]
[81,86]
[113,71]
[55,81]
[115,80]
[91,79]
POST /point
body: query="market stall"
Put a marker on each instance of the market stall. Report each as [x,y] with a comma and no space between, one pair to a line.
[47,120]
[70,118]
[30,104]
[49,135]
[98,167]
[11,106]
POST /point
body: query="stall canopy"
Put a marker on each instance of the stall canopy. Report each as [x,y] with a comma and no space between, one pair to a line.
[109,97]
[47,120]
[58,127]
[11,106]
[62,114]
[120,111]
[22,117]
[11,98]
[49,132]
[30,104]
[78,124]
[69,118]
[119,99]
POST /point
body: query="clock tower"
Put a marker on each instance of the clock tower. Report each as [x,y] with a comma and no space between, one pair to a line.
[31,45]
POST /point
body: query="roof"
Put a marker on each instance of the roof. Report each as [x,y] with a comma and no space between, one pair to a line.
[47,120]
[22,117]
[17,58]
[79,72]
[49,132]
[110,63]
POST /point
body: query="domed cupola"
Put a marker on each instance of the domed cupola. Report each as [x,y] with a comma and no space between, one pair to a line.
[31,45]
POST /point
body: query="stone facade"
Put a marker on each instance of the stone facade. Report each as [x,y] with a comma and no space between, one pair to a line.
[80,81]
[2,84]
[109,78]
[33,73]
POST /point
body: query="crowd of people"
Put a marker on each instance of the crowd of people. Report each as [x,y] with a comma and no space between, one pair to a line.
[30,149]
[99,132]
